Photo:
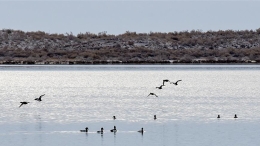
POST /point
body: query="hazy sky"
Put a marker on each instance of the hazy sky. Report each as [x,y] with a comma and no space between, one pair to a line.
[117,17]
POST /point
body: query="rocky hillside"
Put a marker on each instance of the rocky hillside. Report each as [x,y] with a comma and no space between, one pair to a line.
[188,46]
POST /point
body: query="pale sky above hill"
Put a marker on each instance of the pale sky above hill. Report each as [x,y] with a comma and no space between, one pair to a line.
[117,17]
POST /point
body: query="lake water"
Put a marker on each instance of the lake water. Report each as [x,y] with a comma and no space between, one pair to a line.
[90,95]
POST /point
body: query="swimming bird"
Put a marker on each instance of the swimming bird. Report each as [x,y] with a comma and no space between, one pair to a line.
[175,83]
[160,87]
[152,94]
[39,98]
[141,131]
[154,117]
[113,130]
[114,117]
[218,116]
[24,102]
[101,131]
[86,130]
[235,116]
[166,80]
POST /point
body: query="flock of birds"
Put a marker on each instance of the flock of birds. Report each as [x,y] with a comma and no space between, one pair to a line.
[114,117]
[175,83]
[142,129]
[234,116]
[160,87]
[101,131]
[112,130]
[38,99]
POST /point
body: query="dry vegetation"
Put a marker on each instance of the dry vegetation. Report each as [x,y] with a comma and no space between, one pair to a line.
[183,47]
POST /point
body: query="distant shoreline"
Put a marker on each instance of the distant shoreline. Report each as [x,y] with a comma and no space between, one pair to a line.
[126,62]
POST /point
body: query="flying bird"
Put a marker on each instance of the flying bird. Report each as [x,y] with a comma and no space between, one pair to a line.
[166,80]
[152,94]
[175,83]
[39,98]
[24,102]
[160,87]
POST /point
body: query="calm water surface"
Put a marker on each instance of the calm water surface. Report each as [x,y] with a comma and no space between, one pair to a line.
[80,96]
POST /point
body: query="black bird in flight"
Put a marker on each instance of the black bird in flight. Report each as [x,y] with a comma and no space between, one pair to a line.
[24,102]
[152,94]
[175,83]
[160,87]
[40,98]
[165,81]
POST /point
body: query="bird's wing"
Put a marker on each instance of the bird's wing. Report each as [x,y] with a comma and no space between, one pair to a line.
[20,105]
[178,80]
[41,97]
